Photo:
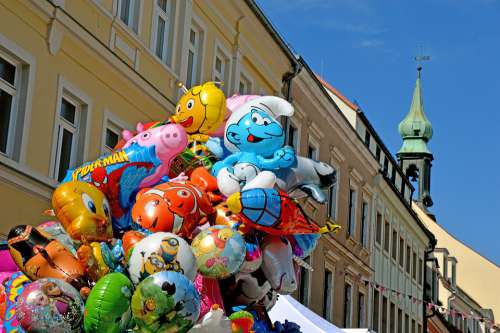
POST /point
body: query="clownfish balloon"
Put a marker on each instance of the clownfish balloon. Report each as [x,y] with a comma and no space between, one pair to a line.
[84,211]
[201,110]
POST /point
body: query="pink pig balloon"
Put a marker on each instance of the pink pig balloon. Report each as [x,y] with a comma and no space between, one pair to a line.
[169,140]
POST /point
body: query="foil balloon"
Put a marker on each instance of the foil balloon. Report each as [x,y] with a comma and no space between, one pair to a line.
[208,183]
[129,241]
[91,258]
[253,255]
[277,264]
[7,263]
[210,294]
[107,308]
[144,160]
[256,140]
[159,252]
[38,257]
[13,288]
[271,211]
[51,306]
[165,302]
[219,251]
[83,210]
[247,289]
[174,207]
[201,110]
[213,321]
[241,321]
[309,176]
[55,230]
[303,245]
[224,216]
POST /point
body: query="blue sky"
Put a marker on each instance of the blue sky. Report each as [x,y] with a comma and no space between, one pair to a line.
[365,48]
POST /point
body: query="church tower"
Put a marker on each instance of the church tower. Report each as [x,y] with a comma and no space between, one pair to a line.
[414,157]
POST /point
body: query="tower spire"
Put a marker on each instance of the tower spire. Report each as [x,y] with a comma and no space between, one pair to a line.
[414,156]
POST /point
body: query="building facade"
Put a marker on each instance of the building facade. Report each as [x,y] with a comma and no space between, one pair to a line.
[399,240]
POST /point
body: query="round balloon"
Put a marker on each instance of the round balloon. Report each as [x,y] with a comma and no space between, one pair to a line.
[55,230]
[165,302]
[219,251]
[50,305]
[14,286]
[108,306]
[161,251]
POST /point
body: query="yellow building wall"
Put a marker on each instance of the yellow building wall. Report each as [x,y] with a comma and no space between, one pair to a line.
[476,275]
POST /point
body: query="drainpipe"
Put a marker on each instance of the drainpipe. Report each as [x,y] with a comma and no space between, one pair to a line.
[288,77]
[427,258]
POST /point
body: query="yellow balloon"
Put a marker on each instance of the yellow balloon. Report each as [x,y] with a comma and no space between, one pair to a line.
[201,110]
[84,211]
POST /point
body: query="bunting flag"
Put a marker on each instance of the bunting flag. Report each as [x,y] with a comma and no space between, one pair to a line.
[415,300]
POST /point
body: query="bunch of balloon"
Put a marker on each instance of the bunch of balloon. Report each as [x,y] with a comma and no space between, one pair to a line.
[191,224]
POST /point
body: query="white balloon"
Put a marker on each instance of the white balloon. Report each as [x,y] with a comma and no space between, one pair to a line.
[161,251]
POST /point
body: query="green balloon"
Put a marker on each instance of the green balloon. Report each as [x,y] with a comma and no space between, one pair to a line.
[107,309]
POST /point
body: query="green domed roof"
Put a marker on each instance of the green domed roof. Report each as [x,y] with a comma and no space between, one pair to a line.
[415,128]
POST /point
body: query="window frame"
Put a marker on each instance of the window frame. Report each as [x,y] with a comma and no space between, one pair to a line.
[169,18]
[365,224]
[198,51]
[348,307]
[301,297]
[289,122]
[315,148]
[244,77]
[67,90]
[331,191]
[352,210]
[379,236]
[387,236]
[14,92]
[394,245]
[17,139]
[219,49]
[376,319]
[111,118]
[328,313]
[135,10]
[402,247]
[361,309]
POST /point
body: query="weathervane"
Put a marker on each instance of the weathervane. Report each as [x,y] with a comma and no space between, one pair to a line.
[421,57]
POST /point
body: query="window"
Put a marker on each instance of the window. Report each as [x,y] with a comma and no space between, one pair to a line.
[332,198]
[401,252]
[347,305]
[384,314]
[392,316]
[194,55]
[387,234]
[454,273]
[112,134]
[407,323]
[292,135]
[400,321]
[312,152]
[413,327]
[361,310]
[378,235]
[9,75]
[393,175]
[408,259]
[304,284]
[14,97]
[221,68]
[394,252]
[162,26]
[367,139]
[245,85]
[129,13]
[419,328]
[327,295]
[420,269]
[386,165]
[67,135]
[376,311]
[377,154]
[414,270]
[365,224]
[351,223]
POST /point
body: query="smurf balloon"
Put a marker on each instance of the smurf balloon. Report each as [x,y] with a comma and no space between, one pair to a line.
[256,140]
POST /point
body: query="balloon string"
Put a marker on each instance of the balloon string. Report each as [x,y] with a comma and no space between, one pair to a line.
[302,263]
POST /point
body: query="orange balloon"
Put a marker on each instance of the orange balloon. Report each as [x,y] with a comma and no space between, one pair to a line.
[129,240]
[84,211]
[38,257]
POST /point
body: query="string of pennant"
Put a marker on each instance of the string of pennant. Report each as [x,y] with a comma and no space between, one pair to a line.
[415,300]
